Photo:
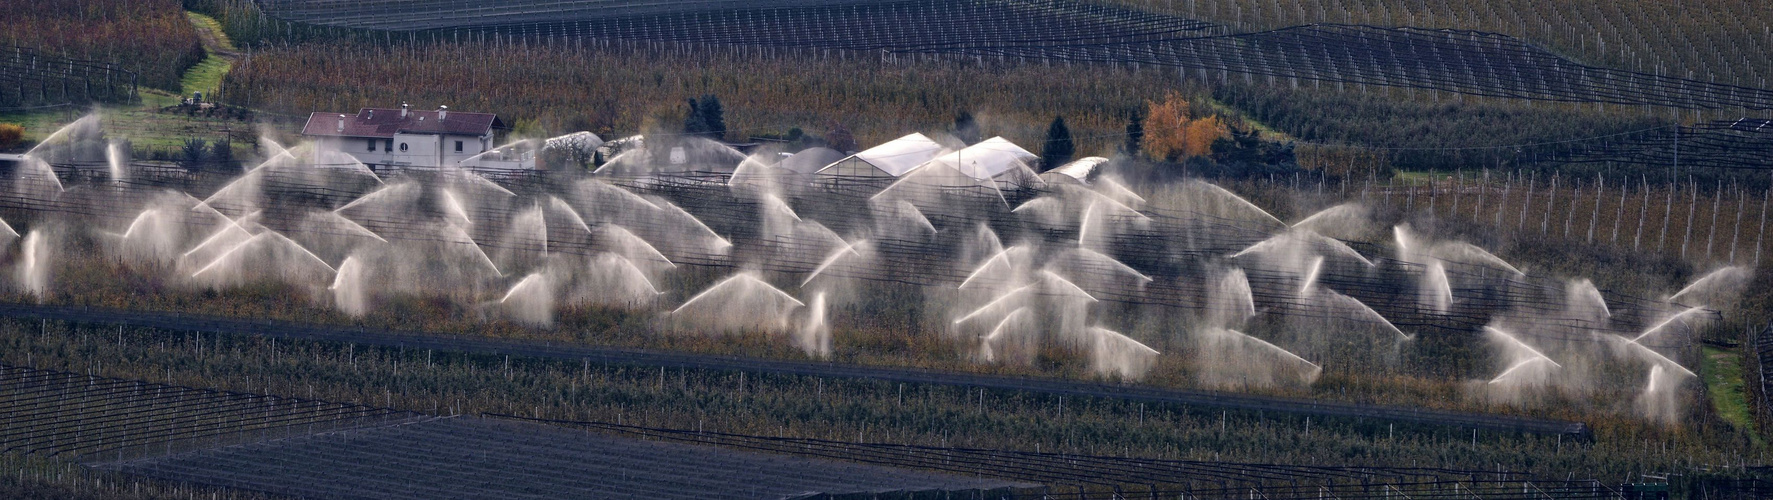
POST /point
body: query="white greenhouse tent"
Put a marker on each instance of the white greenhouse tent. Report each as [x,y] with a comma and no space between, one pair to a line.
[1079,171]
[811,160]
[685,154]
[890,160]
[994,160]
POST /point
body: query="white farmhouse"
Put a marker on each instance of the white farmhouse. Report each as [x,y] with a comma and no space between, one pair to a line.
[401,138]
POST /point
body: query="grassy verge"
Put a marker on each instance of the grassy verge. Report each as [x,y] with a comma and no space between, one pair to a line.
[148,129]
[207,75]
[40,123]
[1227,110]
[210,31]
[1723,381]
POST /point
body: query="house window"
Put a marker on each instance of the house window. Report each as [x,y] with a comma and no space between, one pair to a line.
[388,145]
[402,147]
[372,144]
[458,146]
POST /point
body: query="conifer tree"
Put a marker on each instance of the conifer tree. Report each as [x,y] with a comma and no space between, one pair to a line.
[1135,133]
[966,129]
[713,117]
[1058,149]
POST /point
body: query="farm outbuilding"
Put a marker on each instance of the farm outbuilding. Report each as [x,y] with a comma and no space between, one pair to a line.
[403,138]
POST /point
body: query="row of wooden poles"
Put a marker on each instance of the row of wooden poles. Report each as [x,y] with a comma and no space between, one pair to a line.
[1707,225]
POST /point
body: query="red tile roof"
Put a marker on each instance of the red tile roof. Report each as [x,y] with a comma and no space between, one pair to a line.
[384,123]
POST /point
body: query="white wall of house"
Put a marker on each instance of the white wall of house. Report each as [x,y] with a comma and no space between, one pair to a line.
[370,151]
[420,150]
[416,151]
[460,147]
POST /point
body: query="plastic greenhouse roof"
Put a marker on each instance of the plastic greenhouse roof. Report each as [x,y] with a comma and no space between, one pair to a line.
[1079,169]
[901,155]
[811,160]
[987,159]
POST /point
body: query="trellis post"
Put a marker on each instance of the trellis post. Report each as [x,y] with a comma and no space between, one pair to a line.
[1624,191]
[1692,210]
[1532,178]
[1762,230]
[1600,190]
[1667,213]
[1736,229]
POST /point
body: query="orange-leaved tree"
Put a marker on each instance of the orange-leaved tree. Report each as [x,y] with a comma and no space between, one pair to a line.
[1166,125]
[1201,135]
[1172,134]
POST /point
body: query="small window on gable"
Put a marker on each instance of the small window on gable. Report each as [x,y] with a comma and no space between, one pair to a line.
[403,147]
[458,146]
[372,144]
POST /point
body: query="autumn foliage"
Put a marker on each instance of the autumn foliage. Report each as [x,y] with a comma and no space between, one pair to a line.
[10,134]
[617,90]
[1172,134]
[150,37]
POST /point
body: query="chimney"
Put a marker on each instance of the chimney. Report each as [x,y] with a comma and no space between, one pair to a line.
[442,112]
[403,109]
[341,123]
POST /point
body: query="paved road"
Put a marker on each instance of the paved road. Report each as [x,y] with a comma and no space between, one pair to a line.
[639,357]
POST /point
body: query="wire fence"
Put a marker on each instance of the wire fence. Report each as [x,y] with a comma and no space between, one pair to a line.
[84,417]
[1730,145]
[1085,476]
[34,80]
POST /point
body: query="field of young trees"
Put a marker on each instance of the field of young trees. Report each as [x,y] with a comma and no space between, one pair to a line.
[845,410]
[1714,41]
[890,330]
[1421,130]
[1602,146]
[1720,41]
[151,38]
[52,479]
[627,88]
[1417,117]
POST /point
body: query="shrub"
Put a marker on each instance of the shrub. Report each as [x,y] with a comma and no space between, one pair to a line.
[222,151]
[195,150]
[11,134]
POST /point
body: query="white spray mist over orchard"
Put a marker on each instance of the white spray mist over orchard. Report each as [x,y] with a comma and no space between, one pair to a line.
[1176,280]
